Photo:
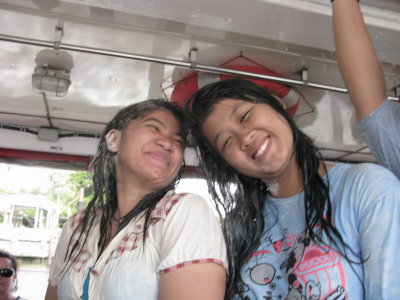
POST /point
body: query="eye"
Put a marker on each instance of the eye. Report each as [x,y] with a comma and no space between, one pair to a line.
[153,126]
[245,116]
[180,141]
[227,143]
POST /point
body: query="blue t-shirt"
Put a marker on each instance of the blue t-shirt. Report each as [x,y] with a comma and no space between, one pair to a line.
[381,130]
[366,211]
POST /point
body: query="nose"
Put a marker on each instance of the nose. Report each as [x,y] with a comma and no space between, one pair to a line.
[245,139]
[165,142]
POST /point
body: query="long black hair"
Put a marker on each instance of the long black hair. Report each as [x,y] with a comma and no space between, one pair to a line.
[243,223]
[104,202]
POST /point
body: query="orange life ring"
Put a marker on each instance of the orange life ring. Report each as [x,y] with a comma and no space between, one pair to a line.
[185,87]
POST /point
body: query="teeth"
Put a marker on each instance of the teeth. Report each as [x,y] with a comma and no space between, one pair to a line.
[261,149]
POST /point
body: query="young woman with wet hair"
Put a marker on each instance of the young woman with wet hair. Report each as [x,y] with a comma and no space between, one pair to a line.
[298,227]
[137,238]
[295,226]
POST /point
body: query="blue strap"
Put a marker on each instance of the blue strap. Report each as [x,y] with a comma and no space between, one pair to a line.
[85,292]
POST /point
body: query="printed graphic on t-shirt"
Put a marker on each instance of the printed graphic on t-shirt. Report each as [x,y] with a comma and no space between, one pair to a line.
[294,267]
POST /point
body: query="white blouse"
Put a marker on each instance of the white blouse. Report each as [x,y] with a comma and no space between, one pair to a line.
[183,230]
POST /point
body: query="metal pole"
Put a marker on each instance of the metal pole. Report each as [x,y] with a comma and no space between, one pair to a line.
[183,64]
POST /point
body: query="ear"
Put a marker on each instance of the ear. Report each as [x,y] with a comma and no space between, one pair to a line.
[113,137]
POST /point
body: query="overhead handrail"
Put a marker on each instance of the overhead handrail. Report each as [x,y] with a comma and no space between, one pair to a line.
[184,64]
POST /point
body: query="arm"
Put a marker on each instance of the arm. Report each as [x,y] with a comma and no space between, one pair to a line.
[51,293]
[358,62]
[196,282]
[193,258]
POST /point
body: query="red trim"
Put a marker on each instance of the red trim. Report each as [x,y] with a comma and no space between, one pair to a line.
[43,156]
[63,158]
[196,261]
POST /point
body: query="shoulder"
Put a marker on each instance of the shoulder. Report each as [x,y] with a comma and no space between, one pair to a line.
[194,203]
[177,203]
[73,221]
[189,199]
[367,181]
[388,111]
[76,219]
[361,171]
[190,232]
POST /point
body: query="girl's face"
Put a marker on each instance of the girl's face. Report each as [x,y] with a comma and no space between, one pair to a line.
[252,137]
[149,150]
[6,283]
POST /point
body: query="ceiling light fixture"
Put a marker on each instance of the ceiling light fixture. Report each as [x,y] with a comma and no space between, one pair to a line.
[52,72]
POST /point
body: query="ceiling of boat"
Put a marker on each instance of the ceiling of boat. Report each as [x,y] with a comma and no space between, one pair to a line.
[125,51]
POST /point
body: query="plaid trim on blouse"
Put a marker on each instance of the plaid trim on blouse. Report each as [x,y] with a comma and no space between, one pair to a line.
[132,237]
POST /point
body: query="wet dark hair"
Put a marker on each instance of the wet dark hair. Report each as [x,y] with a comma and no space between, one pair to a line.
[243,224]
[104,180]
[11,257]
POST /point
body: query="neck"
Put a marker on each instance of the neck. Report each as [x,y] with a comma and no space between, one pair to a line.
[291,183]
[128,197]
[129,191]
[286,186]
[287,183]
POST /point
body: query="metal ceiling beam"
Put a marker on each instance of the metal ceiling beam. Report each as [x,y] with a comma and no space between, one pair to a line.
[184,64]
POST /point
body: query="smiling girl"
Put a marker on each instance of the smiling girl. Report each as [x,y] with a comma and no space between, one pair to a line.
[296,227]
[137,238]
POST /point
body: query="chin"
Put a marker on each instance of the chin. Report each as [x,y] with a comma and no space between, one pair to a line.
[162,181]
